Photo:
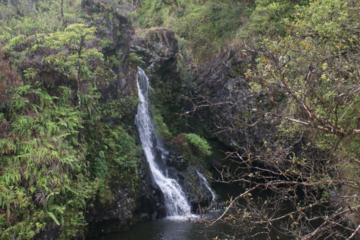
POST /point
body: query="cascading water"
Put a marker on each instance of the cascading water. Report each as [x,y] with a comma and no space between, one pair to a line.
[175,201]
[207,186]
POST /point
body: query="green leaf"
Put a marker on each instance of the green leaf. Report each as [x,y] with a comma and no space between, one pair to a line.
[54,218]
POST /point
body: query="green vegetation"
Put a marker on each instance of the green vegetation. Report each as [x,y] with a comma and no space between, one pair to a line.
[200,144]
[43,173]
[268,17]
[304,83]
[305,78]
[204,29]
[320,62]
[205,24]
[166,99]
[211,27]
[160,126]
[60,146]
[194,150]
[64,141]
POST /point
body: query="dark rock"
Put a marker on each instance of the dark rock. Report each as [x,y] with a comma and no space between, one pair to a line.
[116,214]
[218,83]
[149,201]
[113,215]
[125,82]
[118,31]
[158,49]
[172,173]
[197,193]
[51,231]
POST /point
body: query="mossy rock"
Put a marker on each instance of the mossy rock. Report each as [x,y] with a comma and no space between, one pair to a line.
[106,197]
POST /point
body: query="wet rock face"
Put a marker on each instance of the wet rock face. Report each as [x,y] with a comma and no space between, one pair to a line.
[150,200]
[192,185]
[158,49]
[194,188]
[218,84]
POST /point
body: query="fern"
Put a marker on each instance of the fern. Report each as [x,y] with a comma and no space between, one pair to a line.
[45,175]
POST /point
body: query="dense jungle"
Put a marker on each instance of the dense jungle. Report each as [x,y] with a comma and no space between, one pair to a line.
[179,119]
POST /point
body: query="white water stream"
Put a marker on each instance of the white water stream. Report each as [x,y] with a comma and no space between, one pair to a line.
[204,181]
[175,201]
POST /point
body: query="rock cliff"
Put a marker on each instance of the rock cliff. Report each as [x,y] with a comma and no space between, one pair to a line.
[230,101]
[113,210]
[158,49]
[118,32]
[112,213]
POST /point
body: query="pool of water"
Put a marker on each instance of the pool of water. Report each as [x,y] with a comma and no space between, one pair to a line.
[170,229]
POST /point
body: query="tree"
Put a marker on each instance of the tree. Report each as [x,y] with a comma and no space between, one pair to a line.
[315,68]
[75,61]
[308,82]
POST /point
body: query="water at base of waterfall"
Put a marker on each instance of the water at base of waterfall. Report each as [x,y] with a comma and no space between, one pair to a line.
[175,200]
[170,228]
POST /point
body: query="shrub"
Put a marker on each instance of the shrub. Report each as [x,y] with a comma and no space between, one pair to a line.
[201,145]
[160,125]
[206,25]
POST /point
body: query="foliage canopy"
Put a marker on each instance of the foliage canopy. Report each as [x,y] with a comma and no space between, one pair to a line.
[59,144]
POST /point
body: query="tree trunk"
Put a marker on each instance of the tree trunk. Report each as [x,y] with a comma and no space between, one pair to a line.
[62,9]
[79,108]
[200,210]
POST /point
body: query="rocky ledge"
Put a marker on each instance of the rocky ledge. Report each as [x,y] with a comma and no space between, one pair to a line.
[158,49]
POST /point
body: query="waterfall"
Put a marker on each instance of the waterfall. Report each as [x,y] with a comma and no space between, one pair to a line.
[175,201]
[204,181]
